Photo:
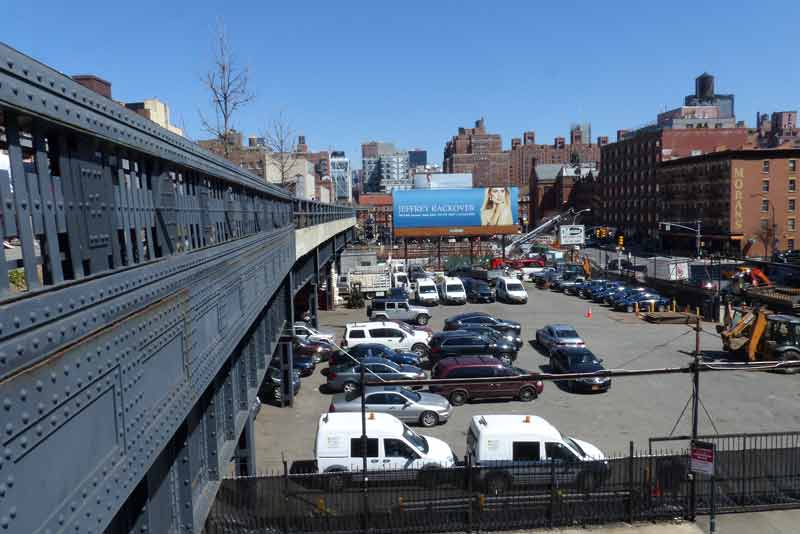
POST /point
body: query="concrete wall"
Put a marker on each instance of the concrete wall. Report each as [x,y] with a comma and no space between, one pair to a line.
[307,239]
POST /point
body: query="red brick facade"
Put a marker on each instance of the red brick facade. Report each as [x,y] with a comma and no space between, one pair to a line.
[475,151]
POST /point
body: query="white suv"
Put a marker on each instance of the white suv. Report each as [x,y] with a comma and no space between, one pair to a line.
[396,336]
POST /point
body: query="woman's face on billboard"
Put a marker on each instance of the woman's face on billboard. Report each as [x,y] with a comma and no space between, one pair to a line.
[498,195]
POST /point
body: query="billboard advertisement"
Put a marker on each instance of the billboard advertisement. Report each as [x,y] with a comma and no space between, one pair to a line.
[442,180]
[448,212]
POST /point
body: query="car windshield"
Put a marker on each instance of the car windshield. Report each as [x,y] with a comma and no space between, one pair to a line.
[566,333]
[415,439]
[427,289]
[574,446]
[515,287]
[585,358]
[405,328]
[411,395]
[454,287]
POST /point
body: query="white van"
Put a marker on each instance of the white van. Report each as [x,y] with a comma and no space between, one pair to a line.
[451,291]
[510,289]
[425,292]
[391,446]
[400,280]
[521,449]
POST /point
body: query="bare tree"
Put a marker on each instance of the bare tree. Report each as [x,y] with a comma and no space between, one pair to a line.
[228,84]
[767,234]
[281,141]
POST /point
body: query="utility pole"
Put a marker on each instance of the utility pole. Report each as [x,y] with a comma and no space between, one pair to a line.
[695,406]
[699,236]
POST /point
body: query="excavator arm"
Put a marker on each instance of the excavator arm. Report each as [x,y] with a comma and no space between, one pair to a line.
[757,274]
[759,328]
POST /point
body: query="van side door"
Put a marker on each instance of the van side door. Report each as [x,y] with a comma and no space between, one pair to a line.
[567,465]
[398,457]
[373,458]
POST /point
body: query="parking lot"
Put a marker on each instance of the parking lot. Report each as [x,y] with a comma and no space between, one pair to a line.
[633,409]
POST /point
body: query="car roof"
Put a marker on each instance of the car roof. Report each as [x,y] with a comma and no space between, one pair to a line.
[573,350]
[371,324]
[508,279]
[464,315]
[375,359]
[785,318]
[448,279]
[468,361]
[561,326]
[452,333]
[516,425]
[350,422]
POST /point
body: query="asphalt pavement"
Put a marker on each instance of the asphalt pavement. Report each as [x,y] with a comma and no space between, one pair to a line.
[634,409]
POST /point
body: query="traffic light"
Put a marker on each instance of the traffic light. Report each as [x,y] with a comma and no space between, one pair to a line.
[597,233]
[620,241]
[603,232]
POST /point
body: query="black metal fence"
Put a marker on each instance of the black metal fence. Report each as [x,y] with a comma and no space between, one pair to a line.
[753,473]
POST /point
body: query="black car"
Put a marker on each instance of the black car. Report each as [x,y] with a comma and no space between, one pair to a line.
[466,343]
[373,350]
[501,325]
[509,337]
[478,290]
[304,365]
[579,360]
[397,293]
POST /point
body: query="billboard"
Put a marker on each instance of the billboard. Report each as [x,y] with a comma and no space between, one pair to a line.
[440,180]
[453,212]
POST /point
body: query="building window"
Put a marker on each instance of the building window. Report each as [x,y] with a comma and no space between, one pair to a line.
[791,225]
[790,244]
[764,224]
[792,165]
[765,186]
[792,185]
[792,203]
[765,205]
[765,166]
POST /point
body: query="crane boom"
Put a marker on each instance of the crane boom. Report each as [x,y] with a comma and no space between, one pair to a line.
[547,225]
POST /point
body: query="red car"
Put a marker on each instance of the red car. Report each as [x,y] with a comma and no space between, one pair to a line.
[482,367]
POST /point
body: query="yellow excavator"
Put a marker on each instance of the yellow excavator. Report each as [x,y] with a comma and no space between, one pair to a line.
[762,335]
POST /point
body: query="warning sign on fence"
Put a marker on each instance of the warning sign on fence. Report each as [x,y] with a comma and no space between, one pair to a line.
[701,457]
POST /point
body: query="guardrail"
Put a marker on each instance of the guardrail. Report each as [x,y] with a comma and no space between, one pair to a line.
[310,213]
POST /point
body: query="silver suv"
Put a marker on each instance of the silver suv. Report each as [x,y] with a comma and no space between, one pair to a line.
[397,310]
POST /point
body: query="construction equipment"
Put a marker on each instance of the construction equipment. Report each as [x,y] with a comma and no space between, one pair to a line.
[762,335]
[544,227]
[355,298]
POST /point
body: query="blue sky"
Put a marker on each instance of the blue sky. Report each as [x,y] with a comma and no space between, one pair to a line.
[412,72]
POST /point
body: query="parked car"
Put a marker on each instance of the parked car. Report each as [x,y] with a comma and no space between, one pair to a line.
[392,447]
[307,332]
[419,407]
[397,293]
[574,289]
[579,360]
[465,342]
[394,309]
[348,377]
[509,337]
[456,322]
[482,367]
[270,388]
[388,333]
[612,299]
[424,292]
[319,351]
[451,291]
[600,295]
[368,350]
[586,289]
[511,290]
[526,450]
[478,290]
[558,335]
[563,283]
[304,365]
[644,299]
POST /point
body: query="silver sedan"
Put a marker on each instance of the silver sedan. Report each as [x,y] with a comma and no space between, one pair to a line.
[558,335]
[426,409]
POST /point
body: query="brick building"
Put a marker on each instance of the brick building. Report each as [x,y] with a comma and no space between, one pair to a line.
[475,151]
[556,187]
[778,130]
[747,200]
[628,181]
[375,217]
[526,153]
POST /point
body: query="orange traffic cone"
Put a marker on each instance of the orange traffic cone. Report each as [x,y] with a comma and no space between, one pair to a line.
[589,313]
